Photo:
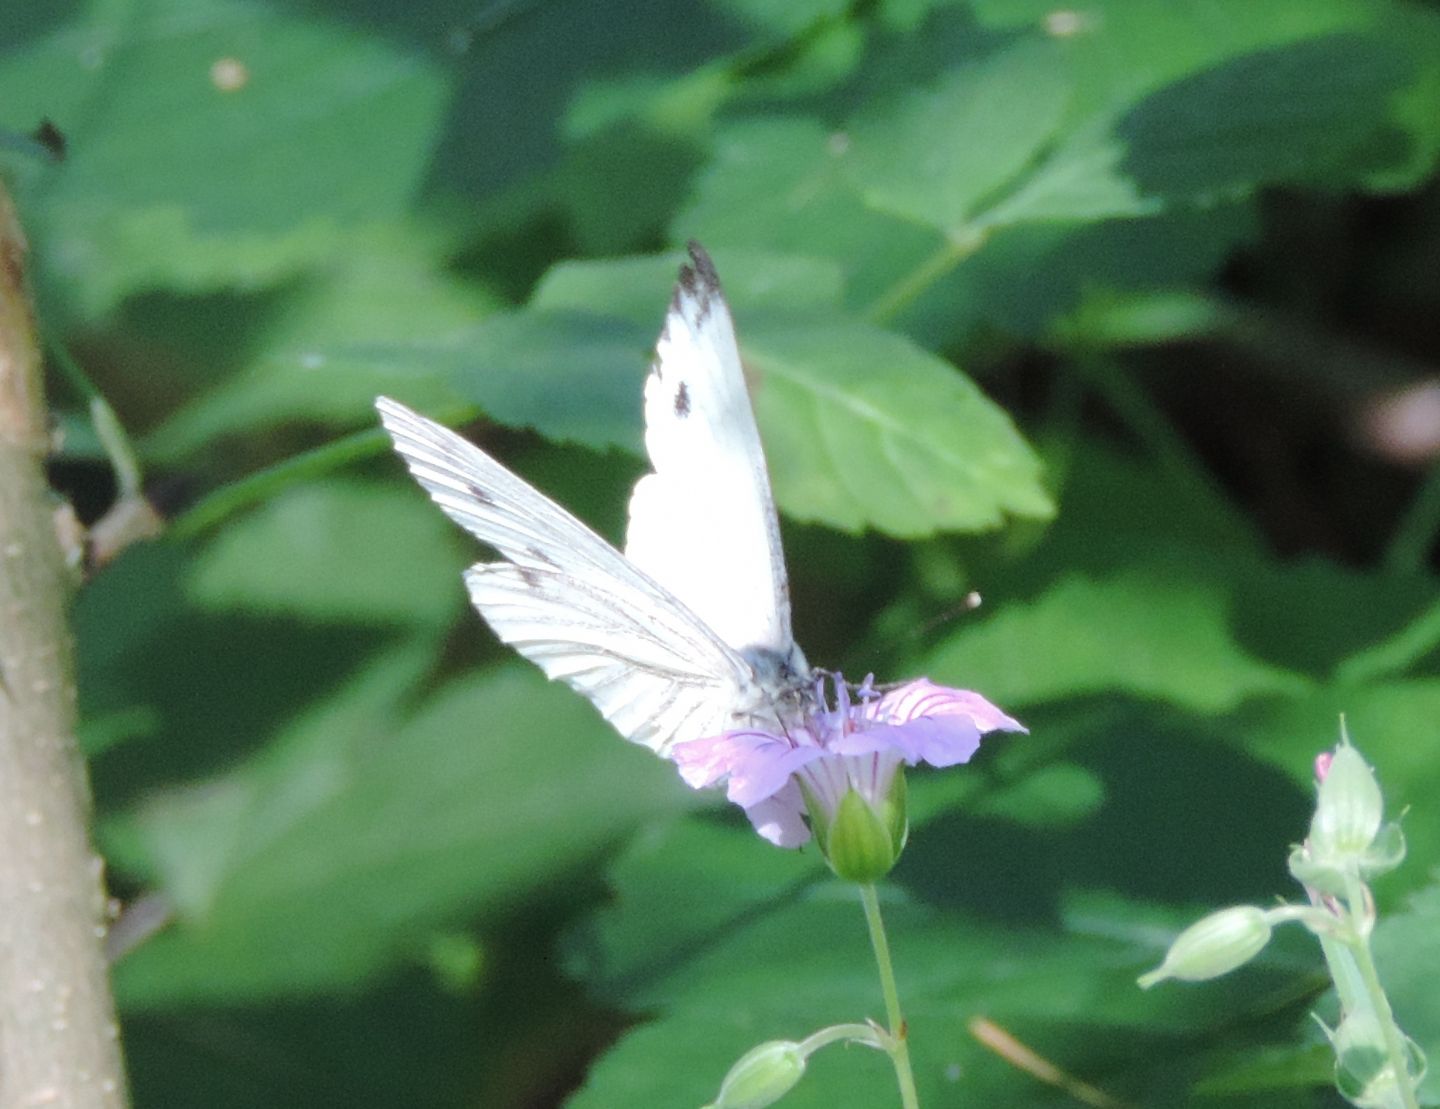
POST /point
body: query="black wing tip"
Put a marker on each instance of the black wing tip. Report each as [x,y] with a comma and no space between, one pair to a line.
[697,286]
[699,272]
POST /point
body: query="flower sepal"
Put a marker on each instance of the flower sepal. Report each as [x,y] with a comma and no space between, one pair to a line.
[1321,877]
[862,841]
[1387,851]
[1331,875]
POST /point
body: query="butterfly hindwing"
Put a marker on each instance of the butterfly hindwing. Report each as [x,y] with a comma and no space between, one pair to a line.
[571,603]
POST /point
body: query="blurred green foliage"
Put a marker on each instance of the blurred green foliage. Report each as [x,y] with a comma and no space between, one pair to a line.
[1072,305]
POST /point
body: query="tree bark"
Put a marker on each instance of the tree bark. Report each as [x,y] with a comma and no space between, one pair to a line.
[59,1041]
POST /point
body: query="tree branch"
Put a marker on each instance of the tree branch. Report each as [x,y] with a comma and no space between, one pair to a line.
[59,1043]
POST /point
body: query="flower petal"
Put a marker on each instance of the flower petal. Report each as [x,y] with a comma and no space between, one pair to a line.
[924,698]
[765,771]
[756,763]
[704,762]
[778,819]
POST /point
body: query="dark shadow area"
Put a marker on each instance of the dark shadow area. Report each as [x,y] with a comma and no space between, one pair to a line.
[1186,820]
[506,1031]
[1290,113]
[26,20]
[215,686]
[518,78]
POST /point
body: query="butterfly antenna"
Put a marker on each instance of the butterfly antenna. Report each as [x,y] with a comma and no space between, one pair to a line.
[967,605]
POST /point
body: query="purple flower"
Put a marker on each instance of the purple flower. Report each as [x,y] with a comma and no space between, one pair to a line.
[794,782]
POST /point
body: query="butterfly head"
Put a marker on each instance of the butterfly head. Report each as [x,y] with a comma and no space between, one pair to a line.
[782,684]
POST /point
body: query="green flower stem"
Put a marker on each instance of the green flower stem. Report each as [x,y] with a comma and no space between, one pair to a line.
[898,1047]
[1364,963]
[264,484]
[836,1033]
[958,246]
[1344,971]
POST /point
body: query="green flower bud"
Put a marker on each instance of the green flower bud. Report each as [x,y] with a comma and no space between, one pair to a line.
[1361,1059]
[762,1076]
[1348,813]
[862,842]
[1363,1069]
[1213,945]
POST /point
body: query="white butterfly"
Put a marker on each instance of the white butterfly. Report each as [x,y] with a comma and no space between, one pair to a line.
[685,635]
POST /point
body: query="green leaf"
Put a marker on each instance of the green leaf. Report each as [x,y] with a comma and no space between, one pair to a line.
[338,851]
[340,551]
[575,377]
[369,1048]
[1270,1071]
[1028,280]
[638,289]
[572,364]
[784,19]
[1348,625]
[365,322]
[1148,632]
[730,872]
[194,838]
[1019,278]
[937,152]
[1396,654]
[785,955]
[201,687]
[864,429]
[316,126]
[1179,104]
[621,184]
[1060,794]
[600,90]
[1315,110]
[778,183]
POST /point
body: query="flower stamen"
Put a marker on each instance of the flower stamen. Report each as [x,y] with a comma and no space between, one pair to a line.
[793,782]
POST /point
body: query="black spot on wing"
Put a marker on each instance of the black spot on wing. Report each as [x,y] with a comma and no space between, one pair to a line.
[682,401]
[479,494]
[529,575]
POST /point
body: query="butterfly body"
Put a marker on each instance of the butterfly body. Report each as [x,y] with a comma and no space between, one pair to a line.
[685,635]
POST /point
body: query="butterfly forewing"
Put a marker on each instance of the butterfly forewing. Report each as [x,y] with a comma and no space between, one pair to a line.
[571,603]
[703,524]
